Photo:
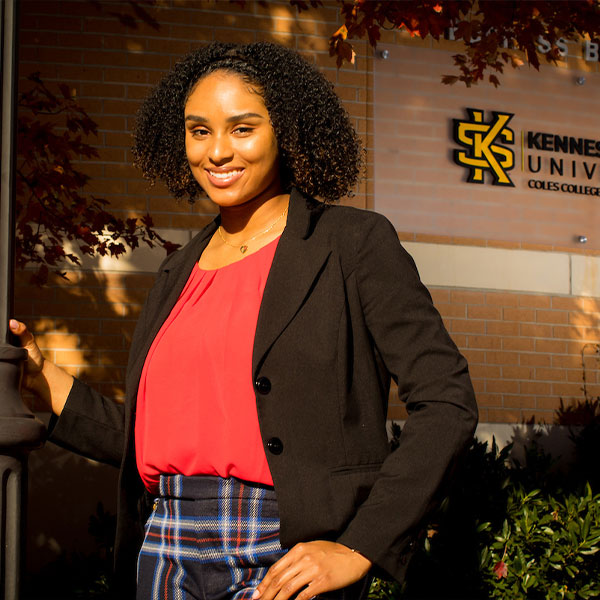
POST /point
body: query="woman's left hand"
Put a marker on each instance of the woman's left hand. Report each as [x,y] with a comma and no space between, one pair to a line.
[318,567]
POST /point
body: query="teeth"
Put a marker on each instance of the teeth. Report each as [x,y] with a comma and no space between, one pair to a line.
[225,175]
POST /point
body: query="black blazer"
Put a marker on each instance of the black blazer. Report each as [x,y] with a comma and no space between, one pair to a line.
[343,310]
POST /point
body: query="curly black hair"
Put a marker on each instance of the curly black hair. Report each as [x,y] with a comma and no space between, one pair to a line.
[320,152]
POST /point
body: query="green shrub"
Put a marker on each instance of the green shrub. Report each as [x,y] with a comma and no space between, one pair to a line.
[546,548]
[507,530]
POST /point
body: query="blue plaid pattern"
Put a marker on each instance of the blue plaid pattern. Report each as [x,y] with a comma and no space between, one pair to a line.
[208,538]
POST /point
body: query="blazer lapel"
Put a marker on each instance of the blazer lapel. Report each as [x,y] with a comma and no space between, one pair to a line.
[298,260]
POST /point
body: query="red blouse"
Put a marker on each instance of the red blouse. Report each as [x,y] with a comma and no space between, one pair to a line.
[196,407]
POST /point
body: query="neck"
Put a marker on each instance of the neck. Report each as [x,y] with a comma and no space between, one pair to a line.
[249,218]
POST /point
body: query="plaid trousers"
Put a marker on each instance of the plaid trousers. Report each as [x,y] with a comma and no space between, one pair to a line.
[209,538]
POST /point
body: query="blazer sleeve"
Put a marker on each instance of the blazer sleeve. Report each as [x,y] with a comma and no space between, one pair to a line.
[90,424]
[433,381]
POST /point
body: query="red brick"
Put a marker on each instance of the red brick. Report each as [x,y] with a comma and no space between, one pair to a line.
[484,341]
[518,402]
[102,342]
[551,316]
[479,386]
[576,376]
[103,90]
[71,24]
[485,399]
[459,339]
[544,374]
[551,346]
[547,403]
[575,333]
[71,357]
[576,347]
[537,388]
[502,328]
[526,315]
[465,297]
[110,155]
[535,331]
[467,326]
[502,358]
[566,361]
[534,301]
[567,389]
[120,107]
[518,343]
[57,340]
[116,358]
[484,312]
[517,372]
[452,310]
[567,303]
[591,305]
[474,356]
[502,386]
[485,372]
[439,295]
[77,325]
[501,299]
[483,415]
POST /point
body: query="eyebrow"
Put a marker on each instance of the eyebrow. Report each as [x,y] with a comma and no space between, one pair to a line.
[233,119]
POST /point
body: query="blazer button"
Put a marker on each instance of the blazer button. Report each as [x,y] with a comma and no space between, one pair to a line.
[263,385]
[275,446]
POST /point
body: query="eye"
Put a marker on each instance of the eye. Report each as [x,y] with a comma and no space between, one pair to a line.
[199,132]
[243,130]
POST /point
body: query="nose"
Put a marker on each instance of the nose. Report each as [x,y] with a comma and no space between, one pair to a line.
[221,150]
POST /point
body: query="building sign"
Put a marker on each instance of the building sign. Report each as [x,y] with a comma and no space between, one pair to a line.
[517,164]
[551,159]
[484,152]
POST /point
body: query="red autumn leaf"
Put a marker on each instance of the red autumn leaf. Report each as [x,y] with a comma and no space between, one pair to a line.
[500,569]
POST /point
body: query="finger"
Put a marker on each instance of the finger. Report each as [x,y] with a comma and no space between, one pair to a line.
[275,579]
[295,584]
[20,329]
[313,589]
[277,567]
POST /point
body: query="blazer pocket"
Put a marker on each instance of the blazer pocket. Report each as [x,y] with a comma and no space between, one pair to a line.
[350,486]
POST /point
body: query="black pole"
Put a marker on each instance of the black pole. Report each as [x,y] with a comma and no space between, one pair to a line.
[20,431]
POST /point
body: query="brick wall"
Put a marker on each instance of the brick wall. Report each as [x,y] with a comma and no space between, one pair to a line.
[523,348]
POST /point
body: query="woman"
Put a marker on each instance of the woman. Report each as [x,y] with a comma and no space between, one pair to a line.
[259,371]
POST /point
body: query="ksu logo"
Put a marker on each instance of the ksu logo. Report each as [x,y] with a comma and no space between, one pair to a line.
[483,150]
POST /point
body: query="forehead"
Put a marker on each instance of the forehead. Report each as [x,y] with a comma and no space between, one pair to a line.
[224,91]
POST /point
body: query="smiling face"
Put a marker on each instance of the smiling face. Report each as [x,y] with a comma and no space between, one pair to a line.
[229,141]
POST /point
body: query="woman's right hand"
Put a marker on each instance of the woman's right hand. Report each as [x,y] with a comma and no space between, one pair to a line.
[49,382]
[35,359]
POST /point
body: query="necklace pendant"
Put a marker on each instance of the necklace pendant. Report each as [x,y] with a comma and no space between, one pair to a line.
[243,249]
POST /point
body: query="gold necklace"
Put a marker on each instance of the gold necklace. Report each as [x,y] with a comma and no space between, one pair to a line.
[244,247]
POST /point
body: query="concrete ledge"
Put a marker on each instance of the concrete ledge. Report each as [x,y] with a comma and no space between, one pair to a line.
[585,275]
[492,268]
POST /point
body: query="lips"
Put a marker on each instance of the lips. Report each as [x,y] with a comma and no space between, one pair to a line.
[223,178]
